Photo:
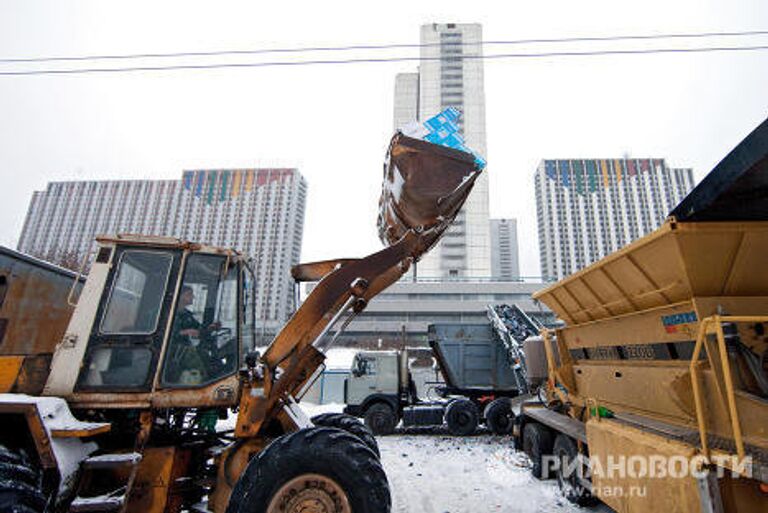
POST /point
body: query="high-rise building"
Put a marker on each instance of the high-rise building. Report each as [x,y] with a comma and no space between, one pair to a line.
[258,211]
[451,75]
[505,264]
[588,208]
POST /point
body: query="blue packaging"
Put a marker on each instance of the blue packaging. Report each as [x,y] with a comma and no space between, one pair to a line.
[444,130]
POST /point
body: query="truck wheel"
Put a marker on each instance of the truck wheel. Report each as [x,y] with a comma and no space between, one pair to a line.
[349,424]
[19,484]
[316,469]
[380,418]
[462,417]
[537,443]
[499,416]
[568,479]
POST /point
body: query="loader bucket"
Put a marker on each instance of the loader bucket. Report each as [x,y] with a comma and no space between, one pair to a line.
[423,189]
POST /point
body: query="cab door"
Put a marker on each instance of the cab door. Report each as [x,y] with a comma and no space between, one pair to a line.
[203,343]
[127,334]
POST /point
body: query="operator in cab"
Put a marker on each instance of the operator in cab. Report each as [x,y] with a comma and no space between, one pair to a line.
[188,341]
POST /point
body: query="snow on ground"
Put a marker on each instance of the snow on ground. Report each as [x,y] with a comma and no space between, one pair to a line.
[435,473]
[432,472]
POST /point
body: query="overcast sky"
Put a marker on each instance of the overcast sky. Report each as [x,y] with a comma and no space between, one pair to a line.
[334,122]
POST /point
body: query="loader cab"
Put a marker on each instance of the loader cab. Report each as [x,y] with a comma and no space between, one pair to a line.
[156,318]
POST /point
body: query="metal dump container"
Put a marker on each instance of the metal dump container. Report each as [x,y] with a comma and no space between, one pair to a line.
[471,358]
[675,263]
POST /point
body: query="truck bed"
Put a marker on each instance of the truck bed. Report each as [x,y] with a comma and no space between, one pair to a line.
[471,359]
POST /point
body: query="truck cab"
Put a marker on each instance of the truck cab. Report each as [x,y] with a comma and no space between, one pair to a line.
[376,378]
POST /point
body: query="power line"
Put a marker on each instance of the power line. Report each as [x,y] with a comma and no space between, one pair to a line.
[178,67]
[307,49]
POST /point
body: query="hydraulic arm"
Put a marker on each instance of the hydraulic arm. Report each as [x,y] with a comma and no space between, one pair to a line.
[423,190]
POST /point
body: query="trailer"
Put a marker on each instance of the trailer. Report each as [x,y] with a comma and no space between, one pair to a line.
[662,363]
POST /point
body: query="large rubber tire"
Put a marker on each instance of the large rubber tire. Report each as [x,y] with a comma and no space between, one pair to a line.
[380,418]
[462,417]
[349,424]
[537,443]
[20,484]
[313,466]
[499,416]
[570,485]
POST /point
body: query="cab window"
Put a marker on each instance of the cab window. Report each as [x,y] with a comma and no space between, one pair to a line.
[363,366]
[202,346]
[137,293]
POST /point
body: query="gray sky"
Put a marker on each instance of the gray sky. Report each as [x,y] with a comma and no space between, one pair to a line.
[334,122]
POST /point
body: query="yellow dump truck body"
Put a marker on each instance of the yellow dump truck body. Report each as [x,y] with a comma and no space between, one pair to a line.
[669,335]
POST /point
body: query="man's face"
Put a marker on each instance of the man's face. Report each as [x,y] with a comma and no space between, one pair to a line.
[187,297]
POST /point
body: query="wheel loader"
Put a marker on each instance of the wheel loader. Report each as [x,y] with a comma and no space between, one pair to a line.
[655,394]
[159,349]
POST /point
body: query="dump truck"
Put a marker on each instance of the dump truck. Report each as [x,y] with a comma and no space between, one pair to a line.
[159,348]
[479,375]
[656,390]
[34,312]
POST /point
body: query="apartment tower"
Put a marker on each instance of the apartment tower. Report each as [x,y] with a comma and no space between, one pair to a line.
[451,75]
[258,211]
[588,208]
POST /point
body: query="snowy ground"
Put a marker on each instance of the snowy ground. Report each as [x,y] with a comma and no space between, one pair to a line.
[438,474]
[432,472]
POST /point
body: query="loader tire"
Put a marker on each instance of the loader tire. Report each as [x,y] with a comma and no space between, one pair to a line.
[537,443]
[314,469]
[20,484]
[349,424]
[499,416]
[381,419]
[570,484]
[462,417]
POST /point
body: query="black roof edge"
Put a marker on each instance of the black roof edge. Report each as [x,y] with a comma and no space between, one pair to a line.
[736,189]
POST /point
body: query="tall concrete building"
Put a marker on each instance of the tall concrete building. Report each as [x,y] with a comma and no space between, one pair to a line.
[505,263]
[588,208]
[451,75]
[259,211]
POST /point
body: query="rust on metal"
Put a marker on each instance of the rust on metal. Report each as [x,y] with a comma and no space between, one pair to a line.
[156,241]
[424,187]
[33,374]
[33,304]
[313,271]
[81,433]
